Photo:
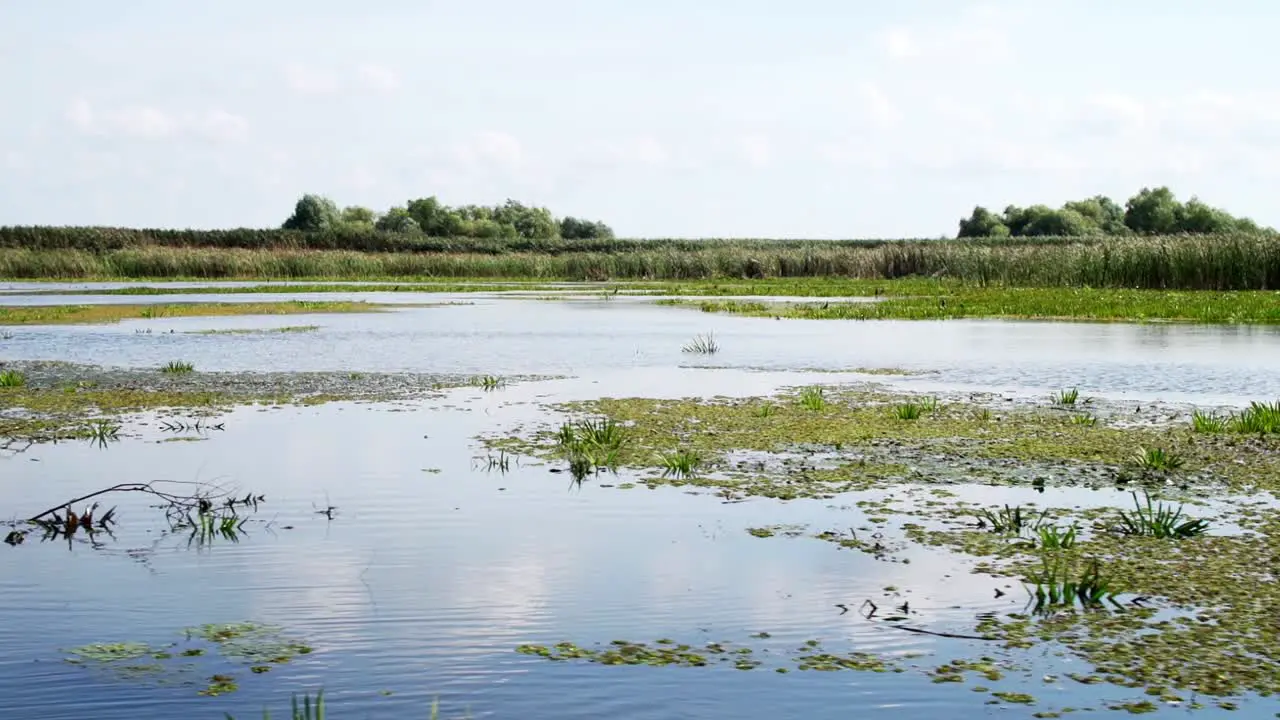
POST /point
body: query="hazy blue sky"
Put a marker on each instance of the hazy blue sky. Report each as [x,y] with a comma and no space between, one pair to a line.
[783,118]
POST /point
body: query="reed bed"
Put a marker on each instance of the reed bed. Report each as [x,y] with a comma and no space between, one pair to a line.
[1230,262]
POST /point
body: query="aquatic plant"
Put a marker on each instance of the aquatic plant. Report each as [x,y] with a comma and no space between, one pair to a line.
[982,415]
[1080,265]
[1260,418]
[309,711]
[1085,420]
[12,379]
[1056,538]
[1066,397]
[1056,585]
[766,409]
[499,463]
[488,382]
[908,411]
[1203,422]
[1010,520]
[1157,459]
[703,345]
[177,367]
[591,445]
[1159,521]
[681,464]
[813,398]
[102,431]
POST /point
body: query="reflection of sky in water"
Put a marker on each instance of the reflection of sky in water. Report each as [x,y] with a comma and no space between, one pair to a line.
[424,582]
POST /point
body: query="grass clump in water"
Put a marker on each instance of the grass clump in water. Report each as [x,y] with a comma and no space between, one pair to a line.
[591,445]
[1159,521]
[488,382]
[702,345]
[1010,520]
[681,464]
[1057,584]
[177,367]
[12,379]
[1066,398]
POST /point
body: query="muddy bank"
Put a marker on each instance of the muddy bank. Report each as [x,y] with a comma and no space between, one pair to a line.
[47,400]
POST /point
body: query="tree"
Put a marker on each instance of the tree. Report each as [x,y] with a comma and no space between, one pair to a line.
[528,222]
[397,219]
[1060,223]
[1103,212]
[358,217]
[1152,212]
[982,223]
[572,228]
[313,213]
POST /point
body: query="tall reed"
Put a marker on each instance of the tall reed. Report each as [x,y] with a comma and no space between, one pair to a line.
[1228,262]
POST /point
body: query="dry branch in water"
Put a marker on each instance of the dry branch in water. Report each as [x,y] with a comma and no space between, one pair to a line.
[179,507]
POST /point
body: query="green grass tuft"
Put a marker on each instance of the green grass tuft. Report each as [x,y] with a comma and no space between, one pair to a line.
[12,379]
[177,367]
[1159,521]
[702,345]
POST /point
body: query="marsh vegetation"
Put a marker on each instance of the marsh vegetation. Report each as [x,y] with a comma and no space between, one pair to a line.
[1050,549]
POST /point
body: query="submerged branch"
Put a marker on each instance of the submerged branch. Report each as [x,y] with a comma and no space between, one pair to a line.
[203,502]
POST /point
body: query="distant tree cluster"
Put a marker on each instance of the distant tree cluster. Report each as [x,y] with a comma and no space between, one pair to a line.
[428,216]
[1150,212]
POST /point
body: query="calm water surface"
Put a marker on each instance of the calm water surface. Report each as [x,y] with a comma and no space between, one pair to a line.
[433,569]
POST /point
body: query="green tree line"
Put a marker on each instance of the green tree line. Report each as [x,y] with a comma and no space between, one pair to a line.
[1152,211]
[428,216]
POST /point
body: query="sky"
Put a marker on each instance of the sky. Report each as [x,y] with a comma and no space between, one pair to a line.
[743,118]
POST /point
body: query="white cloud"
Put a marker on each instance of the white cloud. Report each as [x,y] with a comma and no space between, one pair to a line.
[755,150]
[900,44]
[379,77]
[981,33]
[304,80]
[142,121]
[882,111]
[14,160]
[643,151]
[80,115]
[149,122]
[224,127]
[490,149]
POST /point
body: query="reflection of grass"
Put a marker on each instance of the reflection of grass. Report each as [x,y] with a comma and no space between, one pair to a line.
[89,314]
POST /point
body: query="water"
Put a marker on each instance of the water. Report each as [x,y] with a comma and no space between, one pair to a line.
[433,569]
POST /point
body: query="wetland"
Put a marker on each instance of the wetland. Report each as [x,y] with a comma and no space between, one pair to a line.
[696,499]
